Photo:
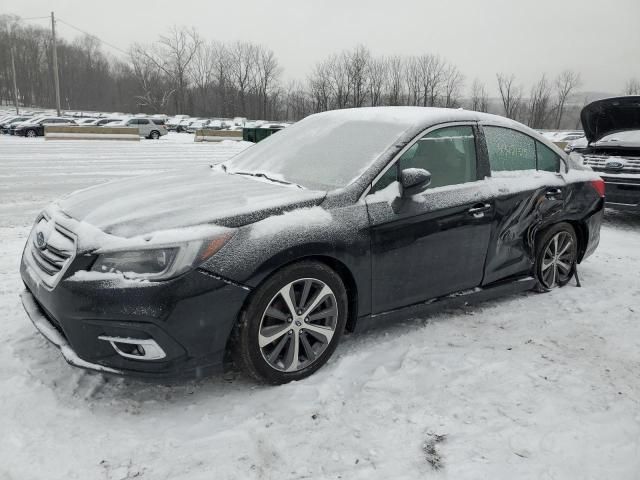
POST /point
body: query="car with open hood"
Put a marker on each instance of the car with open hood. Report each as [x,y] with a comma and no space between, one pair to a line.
[612,129]
[344,220]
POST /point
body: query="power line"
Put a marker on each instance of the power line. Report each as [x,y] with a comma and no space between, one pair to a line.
[34,18]
[92,36]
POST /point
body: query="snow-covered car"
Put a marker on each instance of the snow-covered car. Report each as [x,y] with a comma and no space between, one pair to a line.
[173,122]
[197,125]
[343,220]
[612,129]
[8,122]
[36,126]
[147,127]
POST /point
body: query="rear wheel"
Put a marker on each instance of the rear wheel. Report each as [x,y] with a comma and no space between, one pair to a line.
[556,256]
[31,133]
[154,135]
[293,323]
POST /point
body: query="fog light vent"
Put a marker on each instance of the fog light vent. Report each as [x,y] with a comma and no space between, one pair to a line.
[135,348]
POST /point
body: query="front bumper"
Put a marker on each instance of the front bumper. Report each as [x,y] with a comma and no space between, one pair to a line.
[622,192]
[190,318]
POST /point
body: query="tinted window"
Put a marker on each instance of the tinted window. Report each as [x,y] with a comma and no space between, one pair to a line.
[547,159]
[509,149]
[143,121]
[386,179]
[448,153]
[158,121]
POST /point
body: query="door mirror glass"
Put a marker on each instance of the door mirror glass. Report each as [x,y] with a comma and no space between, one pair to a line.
[414,181]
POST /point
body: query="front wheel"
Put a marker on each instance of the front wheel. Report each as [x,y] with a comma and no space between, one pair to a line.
[155,135]
[292,324]
[31,133]
[556,256]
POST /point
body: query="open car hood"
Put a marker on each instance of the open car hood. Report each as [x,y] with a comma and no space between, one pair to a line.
[610,115]
[197,196]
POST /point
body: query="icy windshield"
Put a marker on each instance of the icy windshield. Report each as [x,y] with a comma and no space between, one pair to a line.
[321,152]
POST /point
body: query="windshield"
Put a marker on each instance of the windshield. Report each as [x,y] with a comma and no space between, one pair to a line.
[322,152]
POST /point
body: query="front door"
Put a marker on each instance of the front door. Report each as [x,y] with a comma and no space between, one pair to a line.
[433,243]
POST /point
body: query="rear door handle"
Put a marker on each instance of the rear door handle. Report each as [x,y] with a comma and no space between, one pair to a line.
[552,193]
[478,210]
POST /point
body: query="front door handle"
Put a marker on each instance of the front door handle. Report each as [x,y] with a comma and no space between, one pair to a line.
[478,211]
[553,193]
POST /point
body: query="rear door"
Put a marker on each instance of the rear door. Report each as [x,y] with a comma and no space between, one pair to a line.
[529,194]
[433,243]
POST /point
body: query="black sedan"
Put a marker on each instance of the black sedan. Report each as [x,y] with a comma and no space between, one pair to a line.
[344,220]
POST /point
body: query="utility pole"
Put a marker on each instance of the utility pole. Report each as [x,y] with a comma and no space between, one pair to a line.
[54,48]
[13,69]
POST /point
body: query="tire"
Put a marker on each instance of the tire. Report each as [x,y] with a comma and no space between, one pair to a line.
[154,135]
[556,256]
[265,338]
[31,133]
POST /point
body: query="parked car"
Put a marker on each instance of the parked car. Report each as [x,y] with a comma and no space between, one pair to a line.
[197,125]
[612,128]
[86,121]
[36,126]
[8,122]
[343,220]
[147,127]
[173,122]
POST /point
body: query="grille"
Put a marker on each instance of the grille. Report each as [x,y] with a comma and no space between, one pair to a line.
[52,247]
[599,162]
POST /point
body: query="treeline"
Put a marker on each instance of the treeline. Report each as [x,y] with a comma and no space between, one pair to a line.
[183,73]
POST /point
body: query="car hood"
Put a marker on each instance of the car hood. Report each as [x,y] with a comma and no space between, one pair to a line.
[198,196]
[610,115]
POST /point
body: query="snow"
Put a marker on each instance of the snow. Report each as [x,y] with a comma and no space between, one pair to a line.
[530,386]
[626,138]
[303,218]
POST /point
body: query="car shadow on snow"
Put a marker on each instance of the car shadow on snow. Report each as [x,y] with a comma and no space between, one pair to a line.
[621,219]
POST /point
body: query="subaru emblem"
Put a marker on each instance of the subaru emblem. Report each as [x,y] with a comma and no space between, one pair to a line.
[40,240]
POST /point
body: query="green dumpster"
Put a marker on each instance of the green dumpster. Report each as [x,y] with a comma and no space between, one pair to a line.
[257,134]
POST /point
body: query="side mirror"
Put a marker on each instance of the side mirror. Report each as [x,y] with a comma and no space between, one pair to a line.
[414,181]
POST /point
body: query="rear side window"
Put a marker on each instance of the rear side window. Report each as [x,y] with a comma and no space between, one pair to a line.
[157,121]
[448,153]
[547,159]
[509,150]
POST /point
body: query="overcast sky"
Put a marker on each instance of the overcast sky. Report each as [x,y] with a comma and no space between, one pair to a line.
[600,39]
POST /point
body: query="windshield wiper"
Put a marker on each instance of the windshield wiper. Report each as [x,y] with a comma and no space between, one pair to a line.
[267,177]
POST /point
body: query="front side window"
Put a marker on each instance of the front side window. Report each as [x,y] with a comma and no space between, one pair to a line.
[547,159]
[509,150]
[448,153]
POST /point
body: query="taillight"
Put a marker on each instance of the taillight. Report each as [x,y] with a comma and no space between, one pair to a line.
[598,186]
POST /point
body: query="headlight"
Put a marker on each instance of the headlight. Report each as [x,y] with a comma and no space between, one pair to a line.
[160,263]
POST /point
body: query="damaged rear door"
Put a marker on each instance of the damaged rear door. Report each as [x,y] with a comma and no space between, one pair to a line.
[529,194]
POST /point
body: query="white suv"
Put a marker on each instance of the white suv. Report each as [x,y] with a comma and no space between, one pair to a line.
[147,127]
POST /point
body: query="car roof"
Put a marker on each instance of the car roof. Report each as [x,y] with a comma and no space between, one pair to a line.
[415,116]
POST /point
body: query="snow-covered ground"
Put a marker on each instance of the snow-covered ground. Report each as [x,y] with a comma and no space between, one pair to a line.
[540,386]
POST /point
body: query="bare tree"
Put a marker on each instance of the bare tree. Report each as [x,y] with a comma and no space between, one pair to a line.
[320,87]
[203,71]
[413,80]
[267,73]
[339,81]
[539,103]
[479,97]
[394,80]
[632,87]
[155,90]
[173,54]
[453,81]
[242,71]
[565,84]
[510,94]
[357,68]
[378,73]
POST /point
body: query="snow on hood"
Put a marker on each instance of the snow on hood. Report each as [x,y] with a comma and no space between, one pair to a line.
[610,115]
[627,138]
[175,200]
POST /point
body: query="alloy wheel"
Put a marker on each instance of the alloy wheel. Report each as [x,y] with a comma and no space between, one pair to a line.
[31,133]
[558,260]
[298,324]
